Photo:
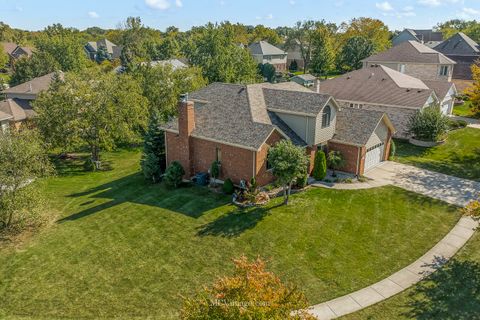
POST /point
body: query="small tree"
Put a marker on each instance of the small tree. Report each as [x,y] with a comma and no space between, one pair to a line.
[251,292]
[174,175]
[268,71]
[320,166]
[22,160]
[294,66]
[335,161]
[215,172]
[288,162]
[228,187]
[429,124]
[153,157]
[472,209]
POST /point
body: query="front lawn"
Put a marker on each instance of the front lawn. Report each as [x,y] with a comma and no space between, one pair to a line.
[459,156]
[122,248]
[465,110]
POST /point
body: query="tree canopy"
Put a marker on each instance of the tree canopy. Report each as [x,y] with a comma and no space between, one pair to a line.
[372,29]
[39,64]
[354,51]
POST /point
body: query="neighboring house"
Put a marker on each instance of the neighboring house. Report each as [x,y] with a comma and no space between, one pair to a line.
[15,51]
[18,98]
[237,124]
[416,60]
[306,80]
[113,51]
[464,51]
[382,89]
[294,53]
[427,37]
[263,52]
[4,121]
[174,63]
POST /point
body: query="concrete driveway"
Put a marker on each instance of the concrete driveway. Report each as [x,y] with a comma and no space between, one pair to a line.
[436,185]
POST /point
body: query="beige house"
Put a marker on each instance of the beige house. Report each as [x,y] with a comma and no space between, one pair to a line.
[383,89]
[263,52]
[414,59]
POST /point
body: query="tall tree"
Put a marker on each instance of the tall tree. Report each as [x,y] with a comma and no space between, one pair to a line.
[302,34]
[3,58]
[153,160]
[39,64]
[22,160]
[353,52]
[162,86]
[213,48]
[323,54]
[288,163]
[372,29]
[64,45]
[262,33]
[91,108]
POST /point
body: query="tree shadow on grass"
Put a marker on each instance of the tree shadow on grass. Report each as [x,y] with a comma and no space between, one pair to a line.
[188,200]
[451,293]
[235,223]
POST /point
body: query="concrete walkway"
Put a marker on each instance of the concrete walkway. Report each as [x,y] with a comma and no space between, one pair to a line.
[436,185]
[472,123]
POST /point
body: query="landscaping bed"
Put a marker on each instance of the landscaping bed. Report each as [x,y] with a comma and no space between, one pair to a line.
[125,248]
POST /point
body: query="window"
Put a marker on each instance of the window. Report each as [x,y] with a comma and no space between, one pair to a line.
[402,68]
[218,155]
[327,113]
[444,70]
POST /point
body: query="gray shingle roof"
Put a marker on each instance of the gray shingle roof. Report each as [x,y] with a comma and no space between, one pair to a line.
[356,126]
[33,86]
[441,88]
[306,77]
[282,126]
[426,35]
[4,116]
[410,51]
[459,44]
[19,109]
[310,103]
[379,85]
[264,48]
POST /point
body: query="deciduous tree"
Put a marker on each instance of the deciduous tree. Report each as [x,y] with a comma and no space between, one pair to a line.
[353,52]
[372,29]
[323,54]
[39,64]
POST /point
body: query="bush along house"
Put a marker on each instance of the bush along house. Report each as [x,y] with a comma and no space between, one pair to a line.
[237,124]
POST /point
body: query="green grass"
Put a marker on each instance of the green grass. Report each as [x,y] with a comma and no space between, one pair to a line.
[465,110]
[122,248]
[458,156]
[451,293]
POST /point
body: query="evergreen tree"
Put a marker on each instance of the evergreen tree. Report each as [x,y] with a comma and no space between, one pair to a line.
[153,157]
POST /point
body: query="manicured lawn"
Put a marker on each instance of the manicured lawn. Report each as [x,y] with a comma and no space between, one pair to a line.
[458,156]
[452,293]
[465,110]
[122,248]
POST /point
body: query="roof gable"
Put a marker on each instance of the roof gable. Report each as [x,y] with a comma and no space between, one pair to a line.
[459,44]
[265,48]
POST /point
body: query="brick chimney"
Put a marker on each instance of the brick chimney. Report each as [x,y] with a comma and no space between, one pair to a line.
[186,124]
[317,85]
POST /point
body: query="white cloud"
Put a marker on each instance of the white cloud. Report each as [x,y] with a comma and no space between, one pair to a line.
[437,3]
[468,13]
[179,3]
[93,15]
[158,4]
[269,16]
[471,11]
[222,3]
[384,6]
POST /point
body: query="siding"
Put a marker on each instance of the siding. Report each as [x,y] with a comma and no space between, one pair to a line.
[324,134]
[402,37]
[303,126]
[379,135]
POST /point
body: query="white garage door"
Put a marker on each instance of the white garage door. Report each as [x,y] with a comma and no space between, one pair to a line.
[374,156]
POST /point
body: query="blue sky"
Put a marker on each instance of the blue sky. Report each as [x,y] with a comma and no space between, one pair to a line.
[36,14]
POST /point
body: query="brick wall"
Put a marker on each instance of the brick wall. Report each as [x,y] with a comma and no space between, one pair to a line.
[263,175]
[349,153]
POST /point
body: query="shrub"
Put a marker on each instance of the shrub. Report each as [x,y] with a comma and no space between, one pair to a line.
[472,209]
[393,149]
[302,180]
[253,184]
[456,124]
[335,161]
[228,187]
[89,165]
[320,166]
[215,171]
[174,174]
[294,66]
[264,295]
[429,124]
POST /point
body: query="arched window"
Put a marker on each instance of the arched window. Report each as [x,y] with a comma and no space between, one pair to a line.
[326,116]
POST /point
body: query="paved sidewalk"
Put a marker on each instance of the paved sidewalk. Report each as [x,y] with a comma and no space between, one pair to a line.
[450,189]
[401,280]
[472,123]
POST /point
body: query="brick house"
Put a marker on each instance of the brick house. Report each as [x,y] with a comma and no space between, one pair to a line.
[414,59]
[237,124]
[263,52]
[380,88]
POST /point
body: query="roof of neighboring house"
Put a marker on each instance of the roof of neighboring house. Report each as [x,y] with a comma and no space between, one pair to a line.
[175,63]
[441,88]
[378,85]
[459,44]
[102,43]
[18,109]
[426,35]
[9,47]
[356,126]
[33,86]
[4,116]
[264,48]
[410,51]
[305,77]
